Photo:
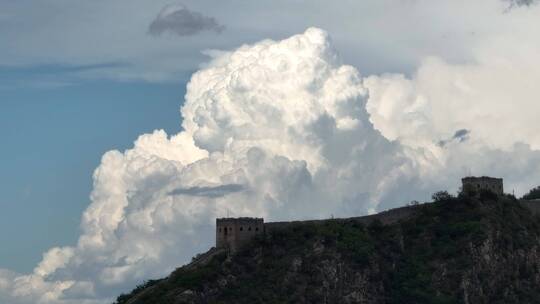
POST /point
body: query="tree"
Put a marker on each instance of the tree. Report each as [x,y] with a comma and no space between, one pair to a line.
[534,193]
[441,196]
[414,203]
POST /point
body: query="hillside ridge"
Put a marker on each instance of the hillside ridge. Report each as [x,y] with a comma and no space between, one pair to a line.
[457,250]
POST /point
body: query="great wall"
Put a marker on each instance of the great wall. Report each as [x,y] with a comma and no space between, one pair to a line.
[233,233]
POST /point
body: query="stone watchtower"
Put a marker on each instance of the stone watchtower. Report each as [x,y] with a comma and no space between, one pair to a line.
[233,233]
[474,185]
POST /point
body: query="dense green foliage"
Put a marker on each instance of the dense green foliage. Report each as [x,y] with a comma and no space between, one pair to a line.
[441,196]
[419,260]
[532,194]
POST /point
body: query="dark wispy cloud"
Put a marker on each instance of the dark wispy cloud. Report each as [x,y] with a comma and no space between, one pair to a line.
[514,3]
[461,135]
[212,192]
[524,2]
[179,20]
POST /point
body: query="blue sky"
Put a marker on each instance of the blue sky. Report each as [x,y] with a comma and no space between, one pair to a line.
[53,139]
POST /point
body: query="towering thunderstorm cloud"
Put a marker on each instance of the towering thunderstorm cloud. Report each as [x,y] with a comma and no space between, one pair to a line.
[283,130]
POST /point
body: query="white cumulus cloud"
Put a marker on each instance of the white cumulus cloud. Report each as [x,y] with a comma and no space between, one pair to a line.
[479,116]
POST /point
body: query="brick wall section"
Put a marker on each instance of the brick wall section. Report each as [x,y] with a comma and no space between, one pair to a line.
[386,217]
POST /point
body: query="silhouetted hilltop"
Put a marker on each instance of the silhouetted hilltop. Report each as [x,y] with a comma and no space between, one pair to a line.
[462,249]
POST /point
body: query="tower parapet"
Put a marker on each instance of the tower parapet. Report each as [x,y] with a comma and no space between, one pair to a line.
[474,185]
[233,233]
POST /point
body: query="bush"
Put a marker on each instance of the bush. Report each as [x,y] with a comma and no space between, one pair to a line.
[533,194]
[441,196]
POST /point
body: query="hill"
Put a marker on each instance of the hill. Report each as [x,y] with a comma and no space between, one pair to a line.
[454,250]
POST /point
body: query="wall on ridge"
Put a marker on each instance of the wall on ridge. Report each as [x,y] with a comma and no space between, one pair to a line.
[386,217]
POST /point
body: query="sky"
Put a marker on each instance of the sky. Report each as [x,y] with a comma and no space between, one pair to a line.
[127,127]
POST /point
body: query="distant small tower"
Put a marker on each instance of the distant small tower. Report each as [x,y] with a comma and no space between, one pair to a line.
[233,233]
[472,185]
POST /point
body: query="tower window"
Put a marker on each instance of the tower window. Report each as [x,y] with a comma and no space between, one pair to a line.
[256,228]
[241,228]
[249,229]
